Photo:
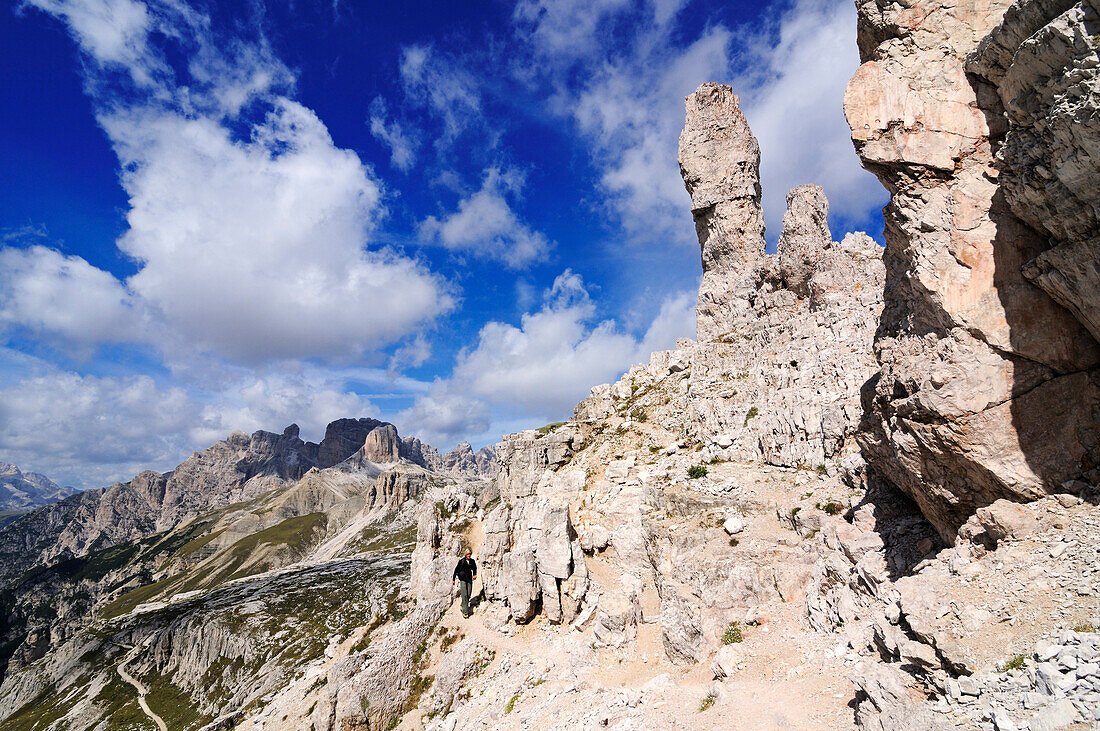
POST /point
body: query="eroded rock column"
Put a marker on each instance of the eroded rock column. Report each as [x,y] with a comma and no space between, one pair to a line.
[720,164]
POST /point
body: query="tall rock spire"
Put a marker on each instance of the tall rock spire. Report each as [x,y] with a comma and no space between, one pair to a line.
[720,163]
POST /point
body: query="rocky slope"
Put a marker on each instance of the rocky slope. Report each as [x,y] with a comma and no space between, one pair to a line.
[238,468]
[621,549]
[224,607]
[22,491]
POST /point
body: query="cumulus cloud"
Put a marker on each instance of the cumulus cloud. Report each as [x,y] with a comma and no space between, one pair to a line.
[310,398]
[63,297]
[635,124]
[412,354]
[86,430]
[249,231]
[485,224]
[793,83]
[557,354]
[443,417]
[519,376]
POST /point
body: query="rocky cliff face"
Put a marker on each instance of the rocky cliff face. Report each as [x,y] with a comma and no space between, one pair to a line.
[988,386]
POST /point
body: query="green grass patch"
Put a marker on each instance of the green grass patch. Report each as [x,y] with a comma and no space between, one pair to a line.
[639,414]
[174,705]
[9,516]
[707,702]
[1015,663]
[753,413]
[374,538]
[118,700]
[1085,627]
[511,704]
[142,594]
[549,427]
[696,471]
[196,543]
[733,634]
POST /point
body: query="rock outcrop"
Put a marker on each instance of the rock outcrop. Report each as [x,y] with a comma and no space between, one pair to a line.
[463,460]
[988,388]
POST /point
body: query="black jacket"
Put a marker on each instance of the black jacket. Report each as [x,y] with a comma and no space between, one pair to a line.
[466,570]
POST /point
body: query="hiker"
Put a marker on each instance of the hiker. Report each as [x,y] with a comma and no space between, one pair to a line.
[465,573]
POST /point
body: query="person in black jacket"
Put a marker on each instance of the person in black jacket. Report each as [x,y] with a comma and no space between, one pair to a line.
[465,573]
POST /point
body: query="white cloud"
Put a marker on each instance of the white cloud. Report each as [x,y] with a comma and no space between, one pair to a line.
[632,110]
[486,226]
[250,233]
[441,84]
[675,320]
[271,401]
[63,297]
[793,91]
[790,72]
[412,354]
[566,29]
[114,32]
[89,431]
[254,249]
[556,355]
[519,377]
[443,417]
[401,141]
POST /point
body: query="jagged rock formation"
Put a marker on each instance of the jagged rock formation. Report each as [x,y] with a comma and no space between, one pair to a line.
[988,388]
[463,460]
[20,491]
[239,468]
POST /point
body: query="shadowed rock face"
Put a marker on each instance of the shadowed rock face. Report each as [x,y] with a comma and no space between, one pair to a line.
[1041,60]
[988,388]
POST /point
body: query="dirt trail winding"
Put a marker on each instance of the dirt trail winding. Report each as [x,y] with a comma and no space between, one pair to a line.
[140,688]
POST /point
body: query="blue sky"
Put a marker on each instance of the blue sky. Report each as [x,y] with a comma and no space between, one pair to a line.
[454,216]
